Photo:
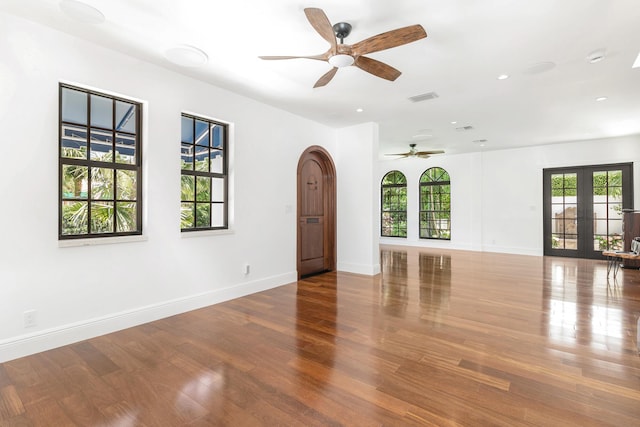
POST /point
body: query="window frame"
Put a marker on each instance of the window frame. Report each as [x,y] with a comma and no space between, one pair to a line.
[384,187]
[90,164]
[432,184]
[224,175]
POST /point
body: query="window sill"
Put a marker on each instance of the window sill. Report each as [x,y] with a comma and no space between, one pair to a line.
[100,241]
[203,233]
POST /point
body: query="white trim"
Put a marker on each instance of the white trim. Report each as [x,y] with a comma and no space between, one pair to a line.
[71,243]
[426,243]
[204,233]
[366,269]
[439,244]
[36,342]
[513,250]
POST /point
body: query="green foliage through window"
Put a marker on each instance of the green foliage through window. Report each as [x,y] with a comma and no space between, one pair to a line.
[435,204]
[203,164]
[598,194]
[100,172]
[394,205]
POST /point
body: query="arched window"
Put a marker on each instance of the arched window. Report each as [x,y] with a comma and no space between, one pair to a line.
[393,209]
[435,204]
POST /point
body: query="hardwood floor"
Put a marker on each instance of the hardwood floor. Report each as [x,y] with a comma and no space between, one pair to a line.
[439,338]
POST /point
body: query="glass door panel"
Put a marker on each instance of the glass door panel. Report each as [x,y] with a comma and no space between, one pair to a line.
[607,210]
[564,210]
[583,209]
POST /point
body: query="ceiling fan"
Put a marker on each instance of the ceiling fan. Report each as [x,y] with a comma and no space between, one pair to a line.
[415,153]
[344,55]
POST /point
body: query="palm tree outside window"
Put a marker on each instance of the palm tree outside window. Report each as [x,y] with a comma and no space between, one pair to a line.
[204,148]
[435,204]
[100,162]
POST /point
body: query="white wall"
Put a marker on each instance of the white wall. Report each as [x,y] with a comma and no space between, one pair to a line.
[85,291]
[466,203]
[358,219]
[77,297]
[515,177]
[496,196]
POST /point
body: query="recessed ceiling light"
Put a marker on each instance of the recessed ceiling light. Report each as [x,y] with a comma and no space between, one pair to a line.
[636,64]
[186,56]
[453,123]
[602,98]
[596,56]
[359,110]
[503,76]
[81,12]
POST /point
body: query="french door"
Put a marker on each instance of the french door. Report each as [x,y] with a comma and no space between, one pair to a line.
[583,209]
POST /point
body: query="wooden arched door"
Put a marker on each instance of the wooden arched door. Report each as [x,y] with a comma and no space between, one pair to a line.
[316,212]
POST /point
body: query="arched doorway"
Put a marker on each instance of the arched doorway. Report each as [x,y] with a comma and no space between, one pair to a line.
[316,212]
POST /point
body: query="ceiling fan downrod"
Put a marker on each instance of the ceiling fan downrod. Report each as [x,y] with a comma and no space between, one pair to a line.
[342,30]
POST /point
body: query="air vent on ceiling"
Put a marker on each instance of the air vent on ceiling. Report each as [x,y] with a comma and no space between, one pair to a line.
[464,128]
[424,97]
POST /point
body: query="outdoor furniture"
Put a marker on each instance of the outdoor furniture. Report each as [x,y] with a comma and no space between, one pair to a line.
[615,258]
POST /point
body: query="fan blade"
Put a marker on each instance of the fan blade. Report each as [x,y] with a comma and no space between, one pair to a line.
[326,78]
[427,153]
[377,68]
[389,39]
[322,57]
[321,24]
[399,154]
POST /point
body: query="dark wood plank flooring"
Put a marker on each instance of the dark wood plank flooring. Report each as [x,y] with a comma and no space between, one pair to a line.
[439,338]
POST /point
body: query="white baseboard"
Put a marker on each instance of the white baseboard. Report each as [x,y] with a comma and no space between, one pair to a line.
[24,345]
[436,244]
[426,243]
[512,250]
[367,269]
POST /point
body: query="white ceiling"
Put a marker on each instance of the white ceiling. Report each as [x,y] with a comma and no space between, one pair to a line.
[469,44]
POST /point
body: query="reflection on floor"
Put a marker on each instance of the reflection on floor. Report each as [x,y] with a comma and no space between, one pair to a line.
[438,338]
[578,302]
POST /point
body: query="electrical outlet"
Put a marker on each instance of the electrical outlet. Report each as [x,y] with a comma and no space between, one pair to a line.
[30,319]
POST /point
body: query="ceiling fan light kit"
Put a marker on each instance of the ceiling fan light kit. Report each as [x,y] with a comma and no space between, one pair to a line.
[340,60]
[344,55]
